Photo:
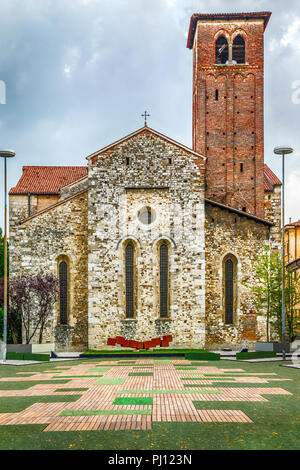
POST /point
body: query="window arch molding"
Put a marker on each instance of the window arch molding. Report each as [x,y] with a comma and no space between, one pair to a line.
[64,279]
[127,238]
[222,32]
[239,32]
[162,238]
[230,295]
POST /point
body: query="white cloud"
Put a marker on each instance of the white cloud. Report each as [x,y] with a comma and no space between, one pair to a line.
[67,70]
[291,36]
[72,57]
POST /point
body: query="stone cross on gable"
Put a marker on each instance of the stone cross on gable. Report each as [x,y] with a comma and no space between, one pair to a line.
[145,115]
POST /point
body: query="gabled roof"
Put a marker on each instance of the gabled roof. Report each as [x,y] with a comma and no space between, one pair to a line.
[293,224]
[270,179]
[237,211]
[150,131]
[263,15]
[47,179]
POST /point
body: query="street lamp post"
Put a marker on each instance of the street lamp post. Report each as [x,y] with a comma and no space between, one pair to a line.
[5,154]
[283,151]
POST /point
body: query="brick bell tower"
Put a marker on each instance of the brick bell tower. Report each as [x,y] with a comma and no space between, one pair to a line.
[228,93]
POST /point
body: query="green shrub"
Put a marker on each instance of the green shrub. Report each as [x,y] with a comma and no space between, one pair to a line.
[255,355]
[36,357]
[129,352]
[202,356]
[15,356]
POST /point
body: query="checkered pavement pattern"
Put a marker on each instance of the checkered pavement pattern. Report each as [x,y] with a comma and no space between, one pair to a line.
[132,395]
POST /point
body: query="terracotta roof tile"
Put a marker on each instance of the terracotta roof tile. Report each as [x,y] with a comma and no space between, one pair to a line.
[294,224]
[47,179]
[271,176]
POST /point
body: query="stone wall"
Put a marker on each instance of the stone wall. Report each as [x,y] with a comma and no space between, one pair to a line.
[21,205]
[227,233]
[73,188]
[146,170]
[273,214]
[37,243]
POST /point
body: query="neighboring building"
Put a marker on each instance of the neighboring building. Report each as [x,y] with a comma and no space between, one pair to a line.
[153,237]
[292,255]
[292,245]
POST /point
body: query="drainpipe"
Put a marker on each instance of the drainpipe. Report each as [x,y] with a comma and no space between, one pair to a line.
[29,204]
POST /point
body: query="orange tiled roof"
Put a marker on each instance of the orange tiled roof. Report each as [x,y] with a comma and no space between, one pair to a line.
[47,179]
[294,224]
[270,179]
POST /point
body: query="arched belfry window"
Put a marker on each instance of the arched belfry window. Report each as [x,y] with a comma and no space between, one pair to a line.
[238,50]
[129,279]
[63,273]
[164,280]
[221,50]
[230,288]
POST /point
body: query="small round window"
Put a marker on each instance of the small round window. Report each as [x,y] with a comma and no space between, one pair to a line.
[146,216]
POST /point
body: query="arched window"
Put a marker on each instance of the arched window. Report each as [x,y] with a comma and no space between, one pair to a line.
[129,280]
[238,50]
[164,280]
[63,292]
[230,288]
[221,50]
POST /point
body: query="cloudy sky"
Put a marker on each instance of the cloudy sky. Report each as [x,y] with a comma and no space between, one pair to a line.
[79,73]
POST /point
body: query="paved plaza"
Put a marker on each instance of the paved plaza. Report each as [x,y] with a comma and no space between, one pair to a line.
[132,395]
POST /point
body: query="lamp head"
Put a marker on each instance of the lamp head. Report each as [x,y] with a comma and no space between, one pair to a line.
[283,150]
[7,153]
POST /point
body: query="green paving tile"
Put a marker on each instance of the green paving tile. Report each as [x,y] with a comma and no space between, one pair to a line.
[237,385]
[186,368]
[144,367]
[197,363]
[104,412]
[50,371]
[140,374]
[24,384]
[201,385]
[16,404]
[113,381]
[71,390]
[99,369]
[156,392]
[207,379]
[76,376]
[26,373]
[133,401]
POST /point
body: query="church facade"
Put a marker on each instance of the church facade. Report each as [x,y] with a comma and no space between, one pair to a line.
[152,237]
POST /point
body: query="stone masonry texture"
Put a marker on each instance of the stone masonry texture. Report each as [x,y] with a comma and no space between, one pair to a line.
[166,179]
